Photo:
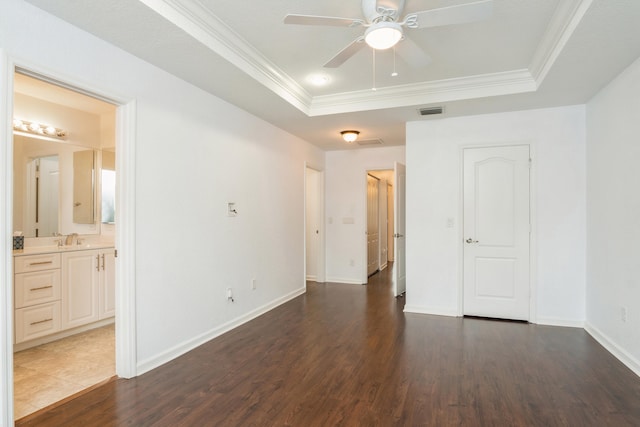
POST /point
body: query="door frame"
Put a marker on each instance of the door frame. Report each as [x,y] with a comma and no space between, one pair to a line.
[533,220]
[321,277]
[126,356]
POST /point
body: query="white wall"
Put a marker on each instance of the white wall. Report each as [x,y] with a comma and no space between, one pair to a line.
[346,200]
[194,153]
[434,149]
[613,216]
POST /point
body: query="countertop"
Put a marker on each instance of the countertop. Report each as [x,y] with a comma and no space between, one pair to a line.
[35,250]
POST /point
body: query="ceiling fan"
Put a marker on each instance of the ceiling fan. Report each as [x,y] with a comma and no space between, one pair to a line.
[385,29]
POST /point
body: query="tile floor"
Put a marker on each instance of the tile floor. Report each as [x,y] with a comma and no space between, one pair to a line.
[50,372]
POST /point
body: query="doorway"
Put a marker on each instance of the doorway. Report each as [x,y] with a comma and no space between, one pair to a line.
[314,230]
[496,224]
[124,282]
[381,207]
[58,304]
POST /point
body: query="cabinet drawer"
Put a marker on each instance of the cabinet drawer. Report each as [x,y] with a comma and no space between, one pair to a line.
[37,321]
[24,264]
[37,287]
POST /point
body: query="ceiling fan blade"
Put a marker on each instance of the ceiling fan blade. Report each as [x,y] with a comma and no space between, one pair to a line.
[412,54]
[346,53]
[322,20]
[459,14]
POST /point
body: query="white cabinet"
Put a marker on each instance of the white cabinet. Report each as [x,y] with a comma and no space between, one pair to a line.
[107,284]
[88,286]
[37,293]
[54,292]
[80,288]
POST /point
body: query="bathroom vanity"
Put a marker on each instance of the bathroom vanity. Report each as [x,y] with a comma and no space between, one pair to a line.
[63,290]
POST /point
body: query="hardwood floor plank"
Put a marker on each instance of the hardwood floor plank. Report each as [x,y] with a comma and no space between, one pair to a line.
[347,355]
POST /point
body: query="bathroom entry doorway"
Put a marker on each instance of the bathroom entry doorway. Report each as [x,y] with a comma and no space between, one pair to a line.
[47,101]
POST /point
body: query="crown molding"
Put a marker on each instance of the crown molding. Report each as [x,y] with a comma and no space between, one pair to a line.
[564,22]
[479,86]
[201,24]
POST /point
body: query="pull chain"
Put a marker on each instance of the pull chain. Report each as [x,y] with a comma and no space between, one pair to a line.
[374,69]
[394,74]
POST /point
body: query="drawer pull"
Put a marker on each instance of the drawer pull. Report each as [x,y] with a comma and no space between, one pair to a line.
[97,262]
[40,321]
[41,263]
[41,288]
[102,262]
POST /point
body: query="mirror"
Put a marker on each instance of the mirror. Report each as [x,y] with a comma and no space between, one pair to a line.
[59,135]
[54,186]
[108,184]
[83,187]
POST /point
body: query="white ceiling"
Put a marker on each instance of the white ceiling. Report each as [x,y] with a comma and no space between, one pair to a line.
[529,54]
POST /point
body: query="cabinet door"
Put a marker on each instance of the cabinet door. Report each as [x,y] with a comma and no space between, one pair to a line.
[107,284]
[80,288]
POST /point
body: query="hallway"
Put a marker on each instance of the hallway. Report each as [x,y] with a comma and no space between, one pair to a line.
[347,355]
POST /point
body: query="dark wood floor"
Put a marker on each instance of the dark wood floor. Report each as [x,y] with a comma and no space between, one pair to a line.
[347,355]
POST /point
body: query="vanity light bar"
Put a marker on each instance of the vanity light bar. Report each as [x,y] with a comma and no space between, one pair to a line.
[38,129]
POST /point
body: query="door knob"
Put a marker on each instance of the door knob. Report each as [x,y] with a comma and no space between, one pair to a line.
[470,240]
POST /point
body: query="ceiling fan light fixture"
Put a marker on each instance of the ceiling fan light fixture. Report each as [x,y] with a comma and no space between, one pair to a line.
[383,35]
[350,135]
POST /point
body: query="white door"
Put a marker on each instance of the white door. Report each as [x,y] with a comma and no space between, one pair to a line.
[372,225]
[107,284]
[312,226]
[80,288]
[390,223]
[496,232]
[399,266]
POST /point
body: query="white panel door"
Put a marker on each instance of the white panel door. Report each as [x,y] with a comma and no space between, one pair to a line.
[399,197]
[312,227]
[80,288]
[372,225]
[496,232]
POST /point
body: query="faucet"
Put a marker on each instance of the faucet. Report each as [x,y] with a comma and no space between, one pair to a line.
[69,240]
[58,239]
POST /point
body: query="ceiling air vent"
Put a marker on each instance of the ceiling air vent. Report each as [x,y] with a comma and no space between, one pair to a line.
[376,141]
[430,111]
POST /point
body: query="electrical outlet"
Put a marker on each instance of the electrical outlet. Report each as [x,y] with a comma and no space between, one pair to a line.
[230,294]
[623,314]
[253,284]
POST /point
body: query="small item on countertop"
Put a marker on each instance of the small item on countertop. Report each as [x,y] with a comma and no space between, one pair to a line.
[18,240]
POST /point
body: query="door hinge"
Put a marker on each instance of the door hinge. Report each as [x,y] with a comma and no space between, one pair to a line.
[530,162]
[115,253]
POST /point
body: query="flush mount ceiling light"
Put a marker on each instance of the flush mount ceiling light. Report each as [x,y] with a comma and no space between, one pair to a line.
[36,128]
[350,135]
[383,35]
[319,79]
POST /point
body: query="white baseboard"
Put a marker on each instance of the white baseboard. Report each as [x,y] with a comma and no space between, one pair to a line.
[383,266]
[438,311]
[548,321]
[613,348]
[312,278]
[180,349]
[345,281]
